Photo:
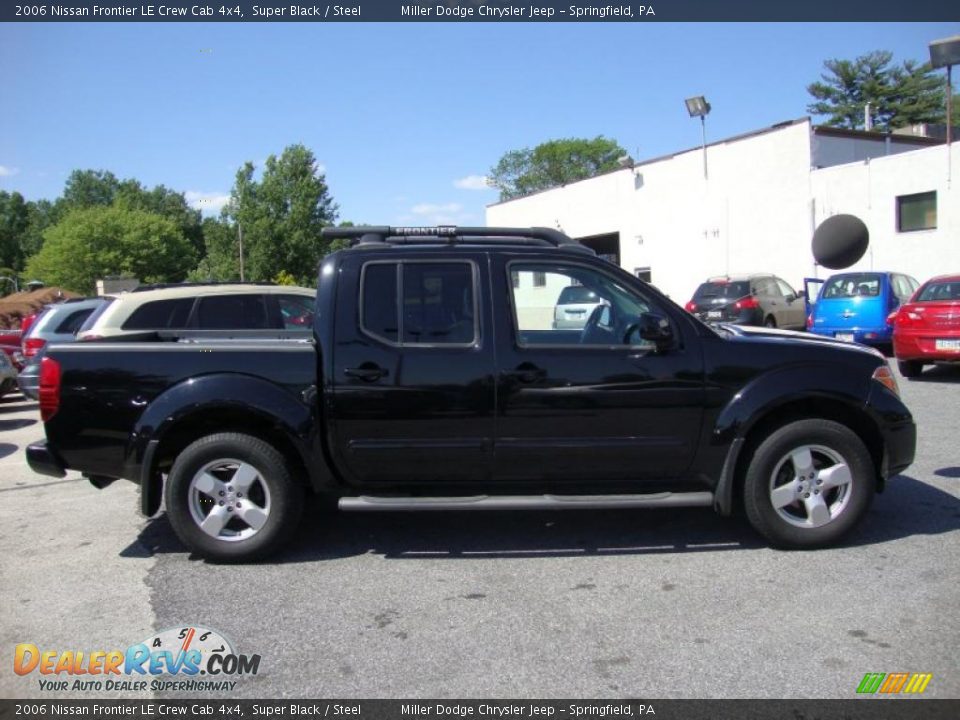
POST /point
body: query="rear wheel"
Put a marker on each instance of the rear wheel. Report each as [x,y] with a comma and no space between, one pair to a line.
[808,484]
[910,368]
[770,322]
[231,498]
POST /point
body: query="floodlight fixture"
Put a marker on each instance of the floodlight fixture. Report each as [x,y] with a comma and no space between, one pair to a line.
[697,106]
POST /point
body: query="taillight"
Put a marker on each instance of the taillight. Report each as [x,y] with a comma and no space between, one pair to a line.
[31,346]
[26,322]
[810,321]
[747,303]
[49,388]
[690,306]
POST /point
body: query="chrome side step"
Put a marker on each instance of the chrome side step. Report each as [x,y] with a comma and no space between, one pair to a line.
[367,503]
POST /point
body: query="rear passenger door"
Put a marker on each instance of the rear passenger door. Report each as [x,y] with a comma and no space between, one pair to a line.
[413,381]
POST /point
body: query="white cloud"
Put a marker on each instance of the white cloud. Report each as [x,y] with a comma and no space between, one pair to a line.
[209,203]
[433,209]
[8,171]
[473,182]
[438,214]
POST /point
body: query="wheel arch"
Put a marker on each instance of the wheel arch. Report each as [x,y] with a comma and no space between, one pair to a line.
[224,403]
[857,419]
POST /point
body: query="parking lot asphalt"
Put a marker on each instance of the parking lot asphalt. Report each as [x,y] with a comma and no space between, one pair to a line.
[642,604]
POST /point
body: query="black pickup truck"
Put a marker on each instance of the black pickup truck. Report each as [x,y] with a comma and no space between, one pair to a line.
[444,375]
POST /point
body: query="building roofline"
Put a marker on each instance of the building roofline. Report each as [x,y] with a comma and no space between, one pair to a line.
[824,130]
[667,156]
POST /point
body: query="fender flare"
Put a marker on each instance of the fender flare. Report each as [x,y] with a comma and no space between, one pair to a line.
[250,396]
[848,386]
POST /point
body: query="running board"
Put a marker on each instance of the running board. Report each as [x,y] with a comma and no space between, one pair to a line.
[366,503]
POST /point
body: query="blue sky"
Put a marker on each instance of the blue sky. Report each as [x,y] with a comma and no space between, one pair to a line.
[403,117]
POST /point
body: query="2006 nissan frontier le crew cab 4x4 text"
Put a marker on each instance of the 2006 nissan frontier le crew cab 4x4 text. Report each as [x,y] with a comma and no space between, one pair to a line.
[438,378]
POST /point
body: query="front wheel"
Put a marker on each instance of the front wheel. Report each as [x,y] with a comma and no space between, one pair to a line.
[808,484]
[231,498]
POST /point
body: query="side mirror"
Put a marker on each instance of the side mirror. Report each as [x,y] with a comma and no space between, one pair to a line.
[654,328]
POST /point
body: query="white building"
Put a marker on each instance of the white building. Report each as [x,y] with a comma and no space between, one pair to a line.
[764,194]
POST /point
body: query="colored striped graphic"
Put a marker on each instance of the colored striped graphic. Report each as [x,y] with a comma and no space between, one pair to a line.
[893,683]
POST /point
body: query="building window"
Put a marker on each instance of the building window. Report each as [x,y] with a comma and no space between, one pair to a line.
[643,273]
[539,279]
[917,212]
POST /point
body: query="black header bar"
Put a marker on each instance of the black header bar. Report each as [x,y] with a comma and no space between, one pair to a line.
[495,11]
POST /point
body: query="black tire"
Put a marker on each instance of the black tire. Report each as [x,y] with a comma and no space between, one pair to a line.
[793,526]
[770,322]
[275,494]
[910,368]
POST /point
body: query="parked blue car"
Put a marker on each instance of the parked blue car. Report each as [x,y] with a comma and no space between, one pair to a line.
[854,306]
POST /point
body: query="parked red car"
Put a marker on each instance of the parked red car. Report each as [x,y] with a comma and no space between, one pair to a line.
[10,344]
[927,328]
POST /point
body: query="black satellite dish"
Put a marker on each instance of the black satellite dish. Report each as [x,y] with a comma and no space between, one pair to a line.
[840,241]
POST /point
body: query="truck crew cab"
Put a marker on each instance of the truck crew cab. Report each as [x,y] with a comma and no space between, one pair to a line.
[437,379]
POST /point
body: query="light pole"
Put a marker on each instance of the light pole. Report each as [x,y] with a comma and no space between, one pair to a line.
[699,107]
[946,53]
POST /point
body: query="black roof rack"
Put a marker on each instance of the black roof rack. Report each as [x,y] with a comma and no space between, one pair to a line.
[164,286]
[380,235]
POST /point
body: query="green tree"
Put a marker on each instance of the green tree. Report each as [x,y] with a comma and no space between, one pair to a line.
[553,163]
[14,221]
[898,95]
[221,257]
[95,242]
[281,215]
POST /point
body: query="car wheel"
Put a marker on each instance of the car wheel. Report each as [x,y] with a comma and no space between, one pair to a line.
[808,484]
[231,498]
[910,368]
[770,322]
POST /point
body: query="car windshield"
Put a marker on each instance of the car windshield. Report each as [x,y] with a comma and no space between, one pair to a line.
[722,289]
[936,291]
[577,294]
[855,285]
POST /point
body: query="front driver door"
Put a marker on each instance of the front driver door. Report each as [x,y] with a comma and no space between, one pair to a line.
[586,402]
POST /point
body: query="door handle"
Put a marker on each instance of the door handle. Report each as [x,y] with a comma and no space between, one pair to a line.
[368,372]
[526,373]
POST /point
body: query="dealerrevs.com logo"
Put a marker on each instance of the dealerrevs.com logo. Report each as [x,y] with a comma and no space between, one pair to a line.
[202,659]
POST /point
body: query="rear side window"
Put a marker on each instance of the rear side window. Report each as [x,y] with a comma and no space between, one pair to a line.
[73,321]
[722,290]
[95,315]
[160,314]
[296,311]
[378,301]
[438,305]
[232,312]
[854,285]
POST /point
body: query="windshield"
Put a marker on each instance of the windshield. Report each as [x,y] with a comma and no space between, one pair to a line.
[935,291]
[730,290]
[853,285]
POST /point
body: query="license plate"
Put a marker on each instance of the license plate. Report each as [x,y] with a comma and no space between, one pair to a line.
[713,314]
[846,337]
[944,344]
